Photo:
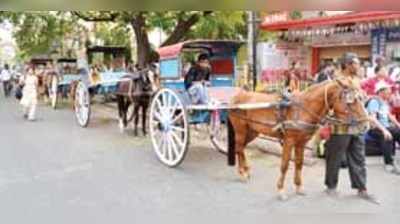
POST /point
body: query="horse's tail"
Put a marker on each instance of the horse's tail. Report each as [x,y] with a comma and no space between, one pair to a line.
[231,144]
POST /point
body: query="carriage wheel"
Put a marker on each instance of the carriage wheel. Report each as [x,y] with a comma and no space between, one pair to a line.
[82,105]
[169,127]
[53,91]
[218,133]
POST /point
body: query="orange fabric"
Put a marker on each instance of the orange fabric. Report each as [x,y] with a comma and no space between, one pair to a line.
[315,60]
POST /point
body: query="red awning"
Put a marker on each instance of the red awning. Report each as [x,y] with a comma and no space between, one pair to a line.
[172,51]
[354,17]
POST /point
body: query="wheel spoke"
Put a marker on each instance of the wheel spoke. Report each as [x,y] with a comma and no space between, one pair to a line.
[162,145]
[177,139]
[169,151]
[177,117]
[157,116]
[175,128]
[173,144]
[173,108]
[160,107]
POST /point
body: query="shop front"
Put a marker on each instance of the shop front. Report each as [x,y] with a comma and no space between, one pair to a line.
[325,39]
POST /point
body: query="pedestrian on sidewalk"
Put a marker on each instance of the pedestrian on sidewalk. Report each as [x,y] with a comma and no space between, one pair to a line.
[29,95]
[6,77]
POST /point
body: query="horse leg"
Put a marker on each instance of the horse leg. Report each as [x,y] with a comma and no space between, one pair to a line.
[251,135]
[286,153]
[144,113]
[299,158]
[121,112]
[240,144]
[136,112]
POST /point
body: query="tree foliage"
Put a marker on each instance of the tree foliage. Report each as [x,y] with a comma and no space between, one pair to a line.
[36,32]
[116,27]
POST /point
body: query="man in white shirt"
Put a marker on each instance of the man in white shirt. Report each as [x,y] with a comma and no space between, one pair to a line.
[6,77]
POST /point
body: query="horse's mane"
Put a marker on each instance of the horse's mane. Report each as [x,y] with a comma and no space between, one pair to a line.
[314,87]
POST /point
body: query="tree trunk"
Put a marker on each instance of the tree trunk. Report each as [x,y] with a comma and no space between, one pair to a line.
[142,40]
[182,28]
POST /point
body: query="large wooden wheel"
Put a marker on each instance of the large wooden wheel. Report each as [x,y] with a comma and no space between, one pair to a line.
[218,133]
[169,127]
[82,105]
[53,91]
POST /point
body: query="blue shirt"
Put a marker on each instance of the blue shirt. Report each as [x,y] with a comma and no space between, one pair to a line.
[381,109]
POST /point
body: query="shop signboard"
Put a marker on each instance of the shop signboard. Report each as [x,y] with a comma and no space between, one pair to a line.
[340,39]
[378,43]
[393,35]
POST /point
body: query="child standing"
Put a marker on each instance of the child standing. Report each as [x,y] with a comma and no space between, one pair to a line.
[29,95]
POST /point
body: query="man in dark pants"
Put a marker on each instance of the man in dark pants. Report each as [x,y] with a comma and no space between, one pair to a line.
[348,140]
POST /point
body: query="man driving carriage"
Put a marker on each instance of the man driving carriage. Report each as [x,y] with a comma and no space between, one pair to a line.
[197,79]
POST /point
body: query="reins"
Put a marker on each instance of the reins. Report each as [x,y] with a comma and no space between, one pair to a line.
[302,125]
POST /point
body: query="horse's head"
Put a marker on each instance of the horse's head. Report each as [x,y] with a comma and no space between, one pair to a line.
[346,101]
[152,80]
[149,80]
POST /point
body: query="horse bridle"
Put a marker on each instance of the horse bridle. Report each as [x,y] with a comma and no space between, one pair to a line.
[328,119]
[352,121]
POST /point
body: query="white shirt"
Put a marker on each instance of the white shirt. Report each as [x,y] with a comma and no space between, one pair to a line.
[82,61]
[5,75]
[395,73]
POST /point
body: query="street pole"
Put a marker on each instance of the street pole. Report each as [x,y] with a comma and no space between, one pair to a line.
[249,46]
[252,47]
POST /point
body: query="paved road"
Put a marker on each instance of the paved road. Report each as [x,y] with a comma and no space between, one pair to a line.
[52,171]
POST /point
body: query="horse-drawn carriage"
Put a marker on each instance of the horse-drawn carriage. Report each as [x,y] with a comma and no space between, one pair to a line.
[171,110]
[97,82]
[62,80]
[39,64]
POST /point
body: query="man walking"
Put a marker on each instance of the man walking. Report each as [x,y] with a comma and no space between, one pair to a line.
[347,140]
[6,77]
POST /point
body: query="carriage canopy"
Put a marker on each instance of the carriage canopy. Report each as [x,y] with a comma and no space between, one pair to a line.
[212,46]
[40,61]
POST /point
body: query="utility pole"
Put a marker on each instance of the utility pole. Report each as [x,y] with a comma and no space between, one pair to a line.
[252,46]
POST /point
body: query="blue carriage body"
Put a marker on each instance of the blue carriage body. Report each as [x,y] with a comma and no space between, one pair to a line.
[223,58]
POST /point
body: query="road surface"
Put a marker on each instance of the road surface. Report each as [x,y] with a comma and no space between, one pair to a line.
[53,171]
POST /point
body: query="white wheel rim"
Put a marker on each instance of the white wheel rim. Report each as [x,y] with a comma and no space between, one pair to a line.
[218,134]
[82,104]
[169,127]
[53,94]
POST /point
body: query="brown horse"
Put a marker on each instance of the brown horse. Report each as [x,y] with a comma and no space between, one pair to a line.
[293,123]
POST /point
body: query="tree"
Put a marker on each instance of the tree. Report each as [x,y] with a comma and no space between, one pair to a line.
[36,32]
[177,25]
[222,25]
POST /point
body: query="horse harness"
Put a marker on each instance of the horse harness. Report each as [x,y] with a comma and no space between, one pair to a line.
[136,81]
[281,125]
